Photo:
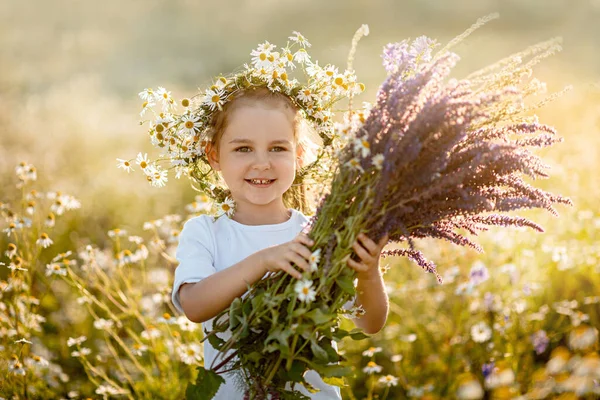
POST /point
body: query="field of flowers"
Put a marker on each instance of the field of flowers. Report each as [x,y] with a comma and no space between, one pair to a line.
[86,251]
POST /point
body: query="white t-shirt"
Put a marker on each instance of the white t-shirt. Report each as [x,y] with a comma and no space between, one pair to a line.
[207,246]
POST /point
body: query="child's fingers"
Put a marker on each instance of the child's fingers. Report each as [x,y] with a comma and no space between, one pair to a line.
[298,260]
[302,250]
[304,239]
[358,267]
[382,242]
[290,270]
[362,253]
[370,245]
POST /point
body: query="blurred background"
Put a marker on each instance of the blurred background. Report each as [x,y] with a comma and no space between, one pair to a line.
[70,72]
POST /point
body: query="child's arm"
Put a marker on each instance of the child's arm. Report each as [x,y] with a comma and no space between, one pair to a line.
[371,293]
[205,299]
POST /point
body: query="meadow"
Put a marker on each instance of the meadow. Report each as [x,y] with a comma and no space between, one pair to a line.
[87,250]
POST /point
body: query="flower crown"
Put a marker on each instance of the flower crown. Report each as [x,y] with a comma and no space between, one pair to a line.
[182,136]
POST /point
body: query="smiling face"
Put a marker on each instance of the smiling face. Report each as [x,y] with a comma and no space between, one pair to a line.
[257,156]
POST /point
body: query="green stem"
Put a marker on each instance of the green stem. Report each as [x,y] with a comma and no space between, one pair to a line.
[273,370]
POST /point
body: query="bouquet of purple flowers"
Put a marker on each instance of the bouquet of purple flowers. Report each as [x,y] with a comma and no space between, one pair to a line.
[432,157]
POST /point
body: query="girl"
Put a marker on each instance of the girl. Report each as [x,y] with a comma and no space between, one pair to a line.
[255,147]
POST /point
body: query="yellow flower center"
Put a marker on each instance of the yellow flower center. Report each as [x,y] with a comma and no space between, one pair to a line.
[305,290]
[339,81]
[159,136]
[290,57]
[284,76]
[166,96]
[371,364]
[11,247]
[225,207]
[185,102]
[275,74]
[160,128]
[145,104]
[329,73]
[262,56]
[143,165]
[223,79]
[366,144]
[189,124]
[361,86]
[216,98]
[271,58]
[307,92]
[167,316]
[43,236]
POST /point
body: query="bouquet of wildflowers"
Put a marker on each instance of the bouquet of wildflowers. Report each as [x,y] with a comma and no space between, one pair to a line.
[432,158]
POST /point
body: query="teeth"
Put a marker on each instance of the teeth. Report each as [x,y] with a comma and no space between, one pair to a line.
[260,181]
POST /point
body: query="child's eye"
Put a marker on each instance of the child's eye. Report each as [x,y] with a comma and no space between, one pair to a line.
[243,149]
[279,148]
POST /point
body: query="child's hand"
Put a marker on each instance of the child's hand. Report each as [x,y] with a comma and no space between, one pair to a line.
[283,256]
[368,252]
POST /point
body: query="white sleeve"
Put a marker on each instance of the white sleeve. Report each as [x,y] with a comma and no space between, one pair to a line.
[195,253]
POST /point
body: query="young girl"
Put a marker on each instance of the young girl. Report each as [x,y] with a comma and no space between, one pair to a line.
[255,147]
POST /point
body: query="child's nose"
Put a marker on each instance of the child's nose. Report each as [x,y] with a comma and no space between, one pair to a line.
[261,161]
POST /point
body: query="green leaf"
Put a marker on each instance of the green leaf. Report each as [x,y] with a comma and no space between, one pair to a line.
[358,334]
[332,354]
[215,341]
[206,386]
[318,352]
[346,284]
[339,382]
[334,370]
[339,334]
[280,336]
[235,310]
[298,312]
[319,317]
[296,372]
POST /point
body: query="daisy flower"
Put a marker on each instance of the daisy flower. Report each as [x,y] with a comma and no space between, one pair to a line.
[372,367]
[16,368]
[362,146]
[146,94]
[164,96]
[117,233]
[147,105]
[371,351]
[139,349]
[388,380]
[305,95]
[377,161]
[301,40]
[76,341]
[184,323]
[189,124]
[44,241]
[305,291]
[314,259]
[150,333]
[39,361]
[214,98]
[302,57]
[142,161]
[190,354]
[11,250]
[481,332]
[227,207]
[157,177]
[103,324]
[355,164]
[55,269]
[329,72]
[84,351]
[166,318]
[23,340]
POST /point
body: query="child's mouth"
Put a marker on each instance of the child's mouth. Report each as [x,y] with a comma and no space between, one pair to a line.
[260,182]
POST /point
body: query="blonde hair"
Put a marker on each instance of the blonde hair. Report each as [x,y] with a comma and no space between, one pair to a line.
[296,196]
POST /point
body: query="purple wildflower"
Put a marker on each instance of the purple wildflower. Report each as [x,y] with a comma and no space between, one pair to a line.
[479,273]
[540,341]
[487,369]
